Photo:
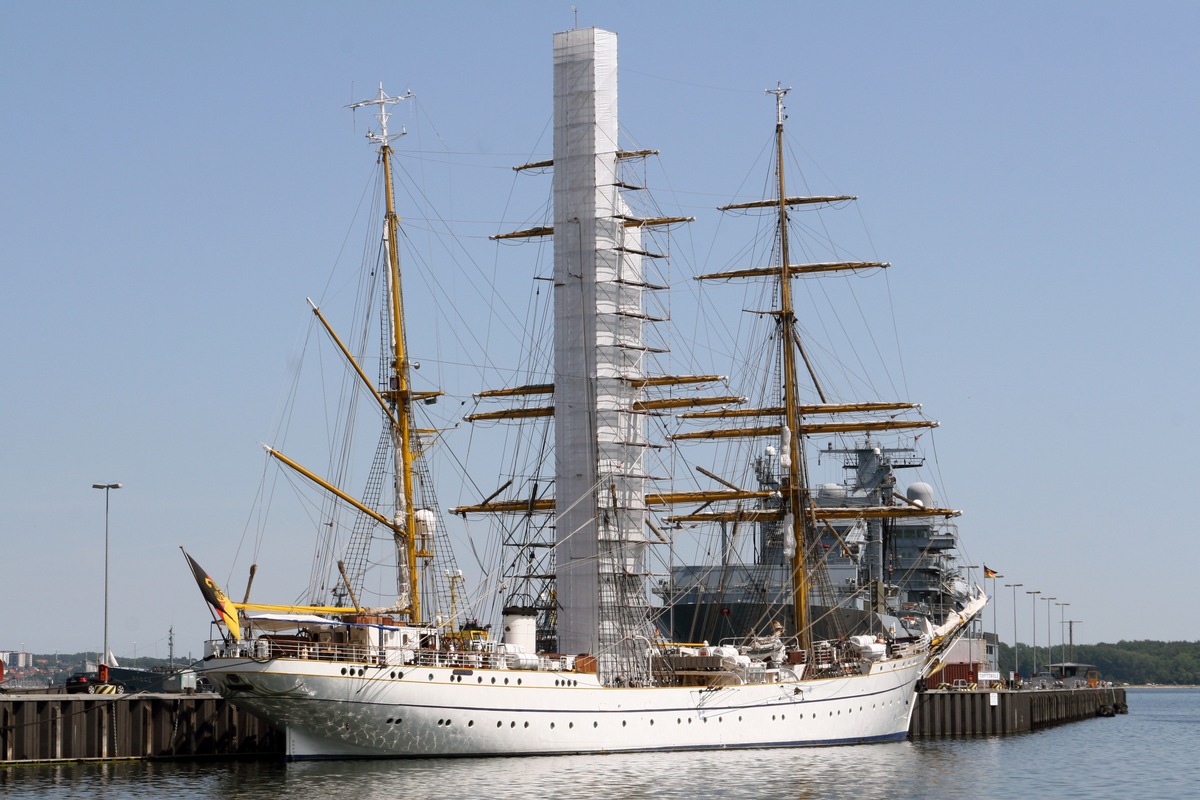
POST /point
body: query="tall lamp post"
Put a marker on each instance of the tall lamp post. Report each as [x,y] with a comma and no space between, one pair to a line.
[1034,617]
[107,487]
[1049,654]
[1062,620]
[1016,652]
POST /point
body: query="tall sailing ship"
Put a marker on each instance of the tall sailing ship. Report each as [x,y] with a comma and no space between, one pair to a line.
[593,652]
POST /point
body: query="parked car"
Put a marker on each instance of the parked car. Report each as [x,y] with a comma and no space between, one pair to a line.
[89,682]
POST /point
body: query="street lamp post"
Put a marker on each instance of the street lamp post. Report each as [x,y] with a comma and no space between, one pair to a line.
[107,487]
[1062,620]
[1016,652]
[1034,617]
[1049,654]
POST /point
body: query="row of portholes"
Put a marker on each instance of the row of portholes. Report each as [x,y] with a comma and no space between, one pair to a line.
[479,679]
[624,723]
[560,682]
[395,675]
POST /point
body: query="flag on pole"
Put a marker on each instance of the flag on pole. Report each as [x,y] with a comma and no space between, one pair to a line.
[216,598]
[988,572]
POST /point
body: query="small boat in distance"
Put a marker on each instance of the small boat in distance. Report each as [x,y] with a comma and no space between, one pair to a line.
[587,661]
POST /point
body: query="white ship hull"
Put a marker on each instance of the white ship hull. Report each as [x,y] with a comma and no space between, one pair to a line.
[339,710]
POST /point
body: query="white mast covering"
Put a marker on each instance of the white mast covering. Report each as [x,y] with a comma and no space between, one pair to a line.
[598,349]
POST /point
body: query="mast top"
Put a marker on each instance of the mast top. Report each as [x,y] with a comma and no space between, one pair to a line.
[383,101]
[779,92]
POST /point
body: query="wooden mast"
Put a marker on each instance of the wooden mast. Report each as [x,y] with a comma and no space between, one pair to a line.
[401,394]
[796,489]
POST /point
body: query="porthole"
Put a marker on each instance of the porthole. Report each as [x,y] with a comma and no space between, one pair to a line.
[512,724]
[389,720]
[481,679]
[506,681]
[526,725]
[499,724]
[493,680]
[623,723]
[518,681]
[431,676]
[551,726]
[570,724]
[470,723]
[343,670]
[595,724]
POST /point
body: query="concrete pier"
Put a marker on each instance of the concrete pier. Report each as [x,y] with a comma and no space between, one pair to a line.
[58,727]
[986,713]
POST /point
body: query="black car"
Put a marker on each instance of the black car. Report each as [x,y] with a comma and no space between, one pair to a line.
[90,682]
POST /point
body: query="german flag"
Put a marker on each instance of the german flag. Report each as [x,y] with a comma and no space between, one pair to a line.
[216,598]
[988,572]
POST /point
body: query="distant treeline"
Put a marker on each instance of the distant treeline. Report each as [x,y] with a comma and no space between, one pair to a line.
[1127,662]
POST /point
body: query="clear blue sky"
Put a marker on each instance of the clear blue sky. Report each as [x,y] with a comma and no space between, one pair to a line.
[178,177]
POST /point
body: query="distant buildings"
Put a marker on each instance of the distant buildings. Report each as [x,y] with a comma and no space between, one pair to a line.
[15,659]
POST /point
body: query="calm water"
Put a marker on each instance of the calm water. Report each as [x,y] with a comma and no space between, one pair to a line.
[1151,753]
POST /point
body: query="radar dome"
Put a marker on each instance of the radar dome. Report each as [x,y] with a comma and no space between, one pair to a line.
[920,493]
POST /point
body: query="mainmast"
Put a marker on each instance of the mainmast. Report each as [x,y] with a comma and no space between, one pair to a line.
[796,486]
[400,392]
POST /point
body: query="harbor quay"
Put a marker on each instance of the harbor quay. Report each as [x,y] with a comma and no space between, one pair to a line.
[38,728]
[971,713]
[41,728]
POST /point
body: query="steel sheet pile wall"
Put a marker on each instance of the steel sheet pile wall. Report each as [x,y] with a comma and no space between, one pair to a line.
[973,713]
[61,728]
